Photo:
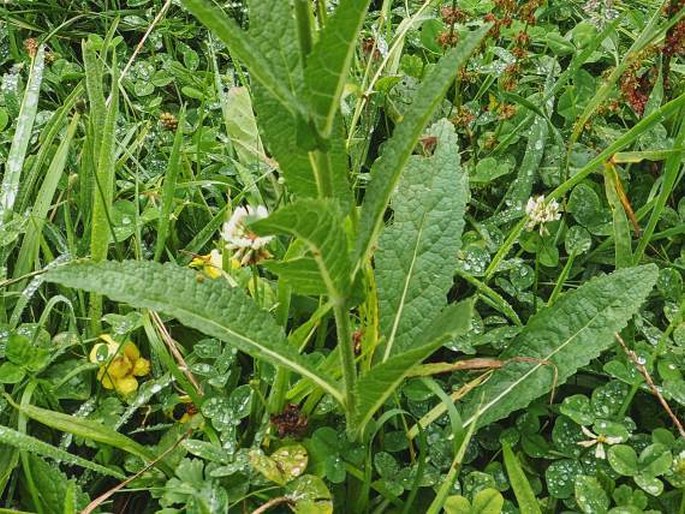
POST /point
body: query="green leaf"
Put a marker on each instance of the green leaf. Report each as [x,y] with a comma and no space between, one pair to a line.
[487,501]
[329,63]
[375,387]
[242,47]
[319,224]
[51,487]
[283,465]
[414,260]
[386,171]
[519,483]
[89,429]
[209,306]
[623,459]
[22,136]
[457,505]
[30,444]
[590,495]
[560,339]
[275,37]
[169,190]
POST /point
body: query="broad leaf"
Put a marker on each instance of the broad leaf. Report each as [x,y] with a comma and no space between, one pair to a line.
[560,339]
[329,63]
[275,37]
[318,223]
[415,257]
[378,384]
[242,47]
[386,171]
[209,306]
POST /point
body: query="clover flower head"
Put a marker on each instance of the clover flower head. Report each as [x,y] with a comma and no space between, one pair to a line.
[540,212]
[598,441]
[120,364]
[247,247]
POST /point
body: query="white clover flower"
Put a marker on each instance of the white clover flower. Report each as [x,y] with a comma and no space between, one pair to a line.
[539,213]
[247,247]
[599,440]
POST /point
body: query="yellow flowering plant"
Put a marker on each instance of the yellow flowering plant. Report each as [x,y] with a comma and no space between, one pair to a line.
[120,364]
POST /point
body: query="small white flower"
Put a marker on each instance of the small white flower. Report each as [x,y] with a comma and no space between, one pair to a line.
[247,247]
[539,213]
[598,439]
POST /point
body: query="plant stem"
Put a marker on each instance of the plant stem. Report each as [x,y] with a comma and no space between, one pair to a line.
[342,324]
[321,164]
[303,15]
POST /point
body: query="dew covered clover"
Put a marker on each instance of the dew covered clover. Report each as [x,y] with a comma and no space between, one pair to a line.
[539,213]
[247,247]
[120,364]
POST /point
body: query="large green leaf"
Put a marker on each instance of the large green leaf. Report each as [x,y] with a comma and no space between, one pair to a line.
[415,256]
[242,46]
[387,169]
[560,339]
[328,64]
[319,224]
[375,387]
[275,36]
[210,306]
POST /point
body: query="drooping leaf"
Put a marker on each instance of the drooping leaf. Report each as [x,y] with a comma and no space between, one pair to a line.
[318,223]
[414,260]
[560,339]
[328,64]
[209,306]
[375,387]
[386,171]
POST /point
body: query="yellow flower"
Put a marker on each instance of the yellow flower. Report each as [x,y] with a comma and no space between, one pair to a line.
[120,364]
[210,264]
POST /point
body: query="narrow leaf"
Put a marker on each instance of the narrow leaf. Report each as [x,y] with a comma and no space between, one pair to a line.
[329,63]
[414,261]
[377,385]
[209,306]
[519,483]
[319,224]
[88,429]
[169,189]
[560,339]
[22,136]
[30,444]
[387,169]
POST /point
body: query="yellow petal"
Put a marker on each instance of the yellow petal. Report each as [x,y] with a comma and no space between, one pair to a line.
[119,367]
[141,367]
[126,385]
[131,351]
[105,379]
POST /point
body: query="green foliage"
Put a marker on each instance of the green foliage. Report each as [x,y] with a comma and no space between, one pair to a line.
[416,234]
